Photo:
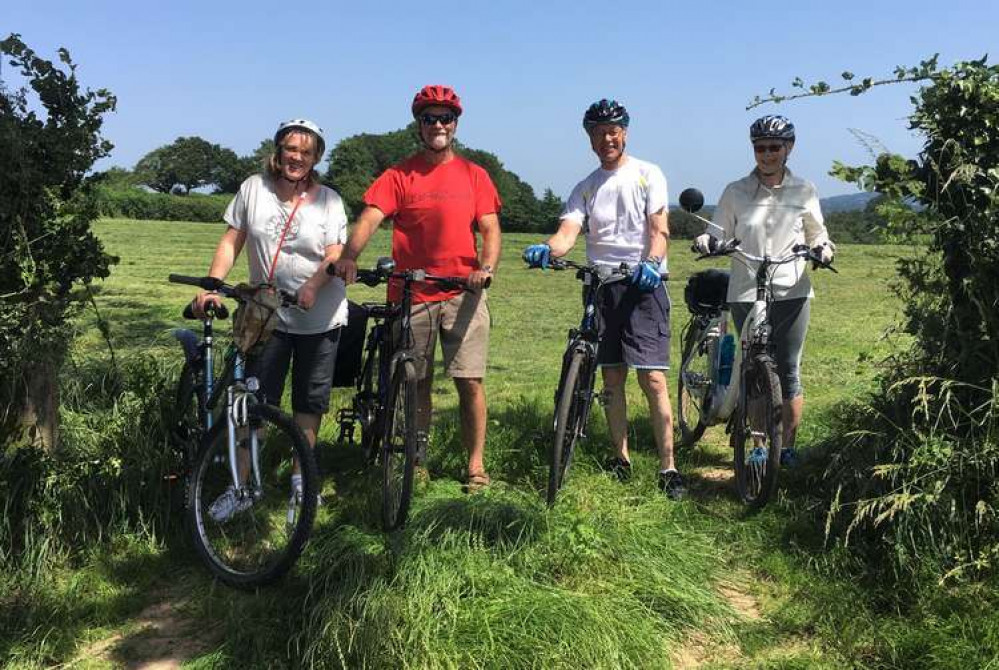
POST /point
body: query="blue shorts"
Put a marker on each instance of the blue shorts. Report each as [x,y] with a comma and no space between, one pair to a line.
[634,326]
[311,358]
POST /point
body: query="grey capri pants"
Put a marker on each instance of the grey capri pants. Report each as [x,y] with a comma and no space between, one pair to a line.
[789,319]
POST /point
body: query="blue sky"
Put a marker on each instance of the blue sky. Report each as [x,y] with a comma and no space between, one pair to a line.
[230,71]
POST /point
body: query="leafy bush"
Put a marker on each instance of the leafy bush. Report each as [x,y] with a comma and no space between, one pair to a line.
[134,203]
[910,482]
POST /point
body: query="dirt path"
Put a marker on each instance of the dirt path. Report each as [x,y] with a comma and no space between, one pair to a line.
[161,637]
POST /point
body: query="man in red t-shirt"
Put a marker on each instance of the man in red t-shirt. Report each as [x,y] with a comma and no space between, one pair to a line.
[437,200]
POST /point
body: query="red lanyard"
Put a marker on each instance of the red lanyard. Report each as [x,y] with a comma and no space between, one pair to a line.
[287,225]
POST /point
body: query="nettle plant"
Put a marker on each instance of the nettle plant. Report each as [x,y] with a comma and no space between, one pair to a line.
[49,140]
[918,468]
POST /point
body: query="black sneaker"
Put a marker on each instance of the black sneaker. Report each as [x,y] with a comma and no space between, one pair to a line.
[618,467]
[671,483]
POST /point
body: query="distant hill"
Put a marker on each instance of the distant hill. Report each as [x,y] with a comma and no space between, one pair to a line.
[850,202]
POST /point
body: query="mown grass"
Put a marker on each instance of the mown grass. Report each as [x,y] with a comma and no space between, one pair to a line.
[613,576]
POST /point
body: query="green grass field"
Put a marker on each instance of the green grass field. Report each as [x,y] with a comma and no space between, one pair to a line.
[614,576]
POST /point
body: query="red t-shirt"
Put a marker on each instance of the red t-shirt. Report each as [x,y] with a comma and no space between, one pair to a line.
[434,209]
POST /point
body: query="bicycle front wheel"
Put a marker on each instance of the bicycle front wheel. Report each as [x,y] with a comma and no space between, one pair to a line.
[398,451]
[694,383]
[568,414]
[757,433]
[250,535]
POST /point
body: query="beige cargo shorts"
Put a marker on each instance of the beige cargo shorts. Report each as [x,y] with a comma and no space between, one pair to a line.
[462,323]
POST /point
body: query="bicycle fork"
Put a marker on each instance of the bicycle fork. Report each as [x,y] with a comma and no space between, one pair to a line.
[238,419]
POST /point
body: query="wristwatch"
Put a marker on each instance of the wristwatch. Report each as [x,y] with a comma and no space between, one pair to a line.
[486,268]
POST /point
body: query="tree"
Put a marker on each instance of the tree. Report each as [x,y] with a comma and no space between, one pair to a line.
[49,142]
[191,162]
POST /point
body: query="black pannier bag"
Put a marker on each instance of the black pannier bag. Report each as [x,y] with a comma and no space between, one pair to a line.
[706,290]
[348,351]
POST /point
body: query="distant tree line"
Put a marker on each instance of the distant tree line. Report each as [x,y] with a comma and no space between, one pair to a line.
[192,164]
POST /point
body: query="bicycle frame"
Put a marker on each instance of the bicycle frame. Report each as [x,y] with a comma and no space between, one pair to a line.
[239,390]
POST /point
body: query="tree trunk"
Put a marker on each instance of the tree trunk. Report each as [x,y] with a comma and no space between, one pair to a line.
[40,410]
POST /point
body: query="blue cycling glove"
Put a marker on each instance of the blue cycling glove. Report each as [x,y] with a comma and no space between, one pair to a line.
[538,256]
[646,275]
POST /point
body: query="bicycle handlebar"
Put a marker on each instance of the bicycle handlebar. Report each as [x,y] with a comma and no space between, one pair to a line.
[376,277]
[227,290]
[729,247]
[600,271]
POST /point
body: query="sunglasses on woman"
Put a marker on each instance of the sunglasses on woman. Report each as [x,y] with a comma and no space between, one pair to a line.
[767,148]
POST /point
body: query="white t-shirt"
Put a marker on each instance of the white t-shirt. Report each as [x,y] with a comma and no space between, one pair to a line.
[613,207]
[318,223]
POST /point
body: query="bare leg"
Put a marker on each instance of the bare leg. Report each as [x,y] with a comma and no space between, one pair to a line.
[472,405]
[792,412]
[616,408]
[656,388]
[309,423]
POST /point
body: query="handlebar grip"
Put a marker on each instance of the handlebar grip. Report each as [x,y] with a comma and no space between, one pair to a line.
[220,312]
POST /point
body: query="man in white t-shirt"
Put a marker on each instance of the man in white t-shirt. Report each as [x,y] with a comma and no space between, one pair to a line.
[621,209]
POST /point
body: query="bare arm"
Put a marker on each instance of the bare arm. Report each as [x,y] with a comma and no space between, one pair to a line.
[225,257]
[659,234]
[307,291]
[366,225]
[489,253]
[564,238]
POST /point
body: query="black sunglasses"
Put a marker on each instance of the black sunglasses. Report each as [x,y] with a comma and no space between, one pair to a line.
[446,118]
[767,148]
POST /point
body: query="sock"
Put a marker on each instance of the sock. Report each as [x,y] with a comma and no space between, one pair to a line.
[296,483]
[666,471]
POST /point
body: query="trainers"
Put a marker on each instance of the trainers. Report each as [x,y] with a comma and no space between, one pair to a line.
[228,505]
[671,483]
[618,467]
[421,477]
[788,457]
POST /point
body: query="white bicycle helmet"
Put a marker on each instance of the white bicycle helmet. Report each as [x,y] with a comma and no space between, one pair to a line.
[306,125]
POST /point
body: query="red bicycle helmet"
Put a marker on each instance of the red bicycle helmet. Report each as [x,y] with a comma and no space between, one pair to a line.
[435,94]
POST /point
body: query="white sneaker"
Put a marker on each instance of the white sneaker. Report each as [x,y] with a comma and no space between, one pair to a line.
[295,502]
[228,505]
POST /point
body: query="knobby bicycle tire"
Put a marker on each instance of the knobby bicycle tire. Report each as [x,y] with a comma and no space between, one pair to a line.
[568,414]
[261,540]
[186,418]
[758,425]
[398,452]
[369,395]
[695,366]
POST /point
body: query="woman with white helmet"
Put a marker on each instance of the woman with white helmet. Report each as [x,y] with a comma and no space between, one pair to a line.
[292,228]
[770,211]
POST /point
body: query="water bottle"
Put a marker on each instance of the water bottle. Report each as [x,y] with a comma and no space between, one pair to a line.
[725,359]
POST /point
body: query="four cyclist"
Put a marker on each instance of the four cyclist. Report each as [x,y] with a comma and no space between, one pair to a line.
[445,215]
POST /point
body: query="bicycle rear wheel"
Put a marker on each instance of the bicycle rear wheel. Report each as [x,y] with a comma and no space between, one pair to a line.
[398,451]
[187,416]
[757,433]
[569,412]
[249,537]
[694,384]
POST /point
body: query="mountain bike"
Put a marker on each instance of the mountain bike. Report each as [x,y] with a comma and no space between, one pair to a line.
[385,403]
[753,404]
[574,394]
[239,453]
